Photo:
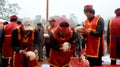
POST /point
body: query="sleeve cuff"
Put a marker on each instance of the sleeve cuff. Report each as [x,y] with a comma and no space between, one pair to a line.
[20,51]
[35,50]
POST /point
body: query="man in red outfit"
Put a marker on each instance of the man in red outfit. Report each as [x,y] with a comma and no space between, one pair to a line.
[51,25]
[60,37]
[113,39]
[7,51]
[93,32]
[25,38]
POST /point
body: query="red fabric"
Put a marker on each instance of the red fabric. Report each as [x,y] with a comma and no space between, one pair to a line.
[26,42]
[18,61]
[88,7]
[63,29]
[59,38]
[115,33]
[76,62]
[108,66]
[92,43]
[59,58]
[7,46]
[18,58]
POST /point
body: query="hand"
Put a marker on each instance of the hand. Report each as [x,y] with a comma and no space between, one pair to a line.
[85,31]
[61,48]
[66,47]
[36,52]
[24,52]
[79,30]
[46,35]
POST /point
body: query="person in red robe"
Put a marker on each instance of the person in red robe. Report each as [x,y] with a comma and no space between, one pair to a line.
[51,25]
[25,38]
[7,51]
[60,37]
[113,37]
[93,33]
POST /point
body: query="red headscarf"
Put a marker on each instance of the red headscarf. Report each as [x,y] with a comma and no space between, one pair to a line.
[62,32]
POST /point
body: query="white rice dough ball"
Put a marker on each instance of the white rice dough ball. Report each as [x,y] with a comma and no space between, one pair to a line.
[46,35]
[66,46]
[31,55]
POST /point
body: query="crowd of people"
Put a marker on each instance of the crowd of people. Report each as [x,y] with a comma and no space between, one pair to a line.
[61,40]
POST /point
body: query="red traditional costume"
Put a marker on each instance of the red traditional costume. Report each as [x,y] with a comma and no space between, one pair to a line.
[59,58]
[18,59]
[114,37]
[7,51]
[94,27]
[22,41]
[92,43]
[7,47]
[51,25]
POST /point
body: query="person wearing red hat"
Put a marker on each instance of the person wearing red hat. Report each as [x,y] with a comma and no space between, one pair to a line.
[93,32]
[62,40]
[6,41]
[113,37]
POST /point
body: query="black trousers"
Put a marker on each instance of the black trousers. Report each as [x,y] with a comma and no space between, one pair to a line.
[95,61]
[113,62]
[5,62]
[47,50]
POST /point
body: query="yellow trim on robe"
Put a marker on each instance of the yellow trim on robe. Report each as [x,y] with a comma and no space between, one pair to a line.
[8,35]
[14,58]
[110,24]
[33,33]
[62,66]
[6,57]
[110,30]
[94,30]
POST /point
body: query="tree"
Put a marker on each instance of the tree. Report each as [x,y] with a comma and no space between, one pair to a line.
[2,7]
[43,22]
[7,9]
[73,19]
[37,19]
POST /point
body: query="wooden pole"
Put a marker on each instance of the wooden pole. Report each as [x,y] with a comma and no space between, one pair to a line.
[47,9]
[47,13]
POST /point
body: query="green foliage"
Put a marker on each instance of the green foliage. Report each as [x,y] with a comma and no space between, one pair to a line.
[39,19]
[7,9]
[73,19]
